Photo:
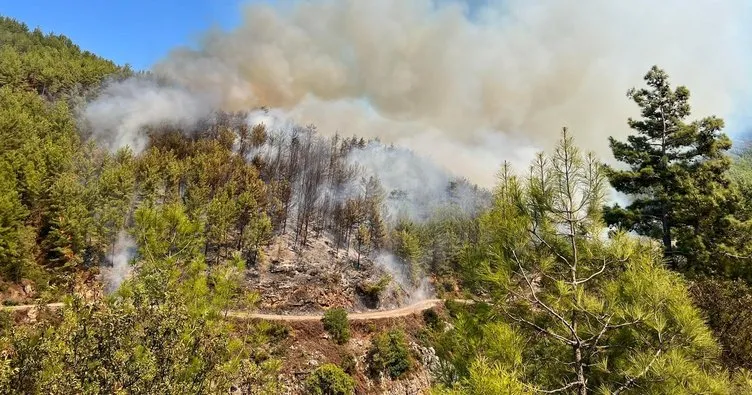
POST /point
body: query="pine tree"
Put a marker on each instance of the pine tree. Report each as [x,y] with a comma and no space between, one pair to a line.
[162,332]
[595,314]
[13,257]
[407,248]
[221,217]
[363,240]
[373,199]
[677,171]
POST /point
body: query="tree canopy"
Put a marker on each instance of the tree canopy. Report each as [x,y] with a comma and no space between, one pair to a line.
[677,176]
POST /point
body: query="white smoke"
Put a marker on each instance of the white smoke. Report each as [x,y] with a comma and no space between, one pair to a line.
[119,115]
[466,87]
[401,275]
[415,187]
[123,251]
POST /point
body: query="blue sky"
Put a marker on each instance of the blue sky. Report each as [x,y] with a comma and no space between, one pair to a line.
[138,32]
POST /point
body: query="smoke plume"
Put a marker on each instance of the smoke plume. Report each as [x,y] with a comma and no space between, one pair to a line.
[466,86]
[414,187]
[123,250]
[124,108]
[401,275]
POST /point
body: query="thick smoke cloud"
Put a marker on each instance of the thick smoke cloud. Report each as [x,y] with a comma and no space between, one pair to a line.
[414,187]
[124,108]
[466,87]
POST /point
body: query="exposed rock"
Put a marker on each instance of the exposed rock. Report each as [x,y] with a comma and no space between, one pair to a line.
[427,356]
[318,277]
[28,289]
[415,384]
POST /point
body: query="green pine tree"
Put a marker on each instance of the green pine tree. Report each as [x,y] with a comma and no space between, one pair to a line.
[677,176]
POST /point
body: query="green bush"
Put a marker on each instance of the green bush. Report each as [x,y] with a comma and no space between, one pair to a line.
[274,330]
[432,319]
[335,322]
[390,354]
[374,289]
[6,322]
[329,379]
[453,307]
[347,362]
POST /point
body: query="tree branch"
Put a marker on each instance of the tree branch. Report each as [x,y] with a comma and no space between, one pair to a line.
[644,371]
[539,328]
[537,236]
[582,281]
[545,306]
[564,388]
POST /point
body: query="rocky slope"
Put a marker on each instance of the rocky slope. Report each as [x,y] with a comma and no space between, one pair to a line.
[318,276]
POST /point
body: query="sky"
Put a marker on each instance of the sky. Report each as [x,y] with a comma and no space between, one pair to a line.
[141,32]
[137,32]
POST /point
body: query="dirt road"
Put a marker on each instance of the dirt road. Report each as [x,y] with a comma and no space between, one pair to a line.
[369,315]
[29,307]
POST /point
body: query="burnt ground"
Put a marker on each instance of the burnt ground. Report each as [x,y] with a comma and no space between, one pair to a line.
[318,277]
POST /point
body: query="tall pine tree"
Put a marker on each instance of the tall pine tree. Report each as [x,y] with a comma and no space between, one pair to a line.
[677,177]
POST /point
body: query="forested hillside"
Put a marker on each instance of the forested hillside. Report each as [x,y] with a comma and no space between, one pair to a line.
[69,198]
[43,77]
[189,213]
[550,287]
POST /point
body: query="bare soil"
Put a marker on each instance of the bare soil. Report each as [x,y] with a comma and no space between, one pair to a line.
[317,277]
[309,346]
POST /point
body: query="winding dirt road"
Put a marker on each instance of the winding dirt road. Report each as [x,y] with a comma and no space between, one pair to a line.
[24,307]
[369,315]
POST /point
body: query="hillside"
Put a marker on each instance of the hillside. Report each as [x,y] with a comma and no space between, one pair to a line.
[42,78]
[307,226]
